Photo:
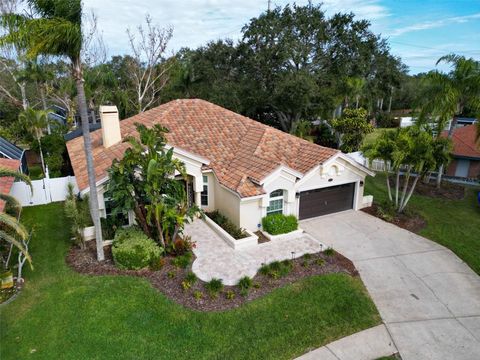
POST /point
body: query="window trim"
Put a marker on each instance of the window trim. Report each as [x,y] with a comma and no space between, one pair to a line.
[204,193]
[276,198]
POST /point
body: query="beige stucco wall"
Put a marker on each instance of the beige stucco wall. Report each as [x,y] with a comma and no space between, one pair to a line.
[250,214]
[227,203]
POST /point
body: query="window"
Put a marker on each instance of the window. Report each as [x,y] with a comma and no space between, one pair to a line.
[122,218]
[204,194]
[276,203]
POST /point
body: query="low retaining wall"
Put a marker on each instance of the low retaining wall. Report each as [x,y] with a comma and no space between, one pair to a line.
[89,234]
[250,241]
[288,235]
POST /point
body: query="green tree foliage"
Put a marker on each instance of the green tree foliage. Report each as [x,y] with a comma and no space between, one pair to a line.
[352,127]
[76,210]
[145,181]
[411,151]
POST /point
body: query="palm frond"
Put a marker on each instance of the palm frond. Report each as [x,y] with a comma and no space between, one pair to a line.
[5,172]
[15,242]
[11,201]
[13,224]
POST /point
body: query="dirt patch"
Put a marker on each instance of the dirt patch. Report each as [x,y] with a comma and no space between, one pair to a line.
[169,278]
[413,223]
[261,238]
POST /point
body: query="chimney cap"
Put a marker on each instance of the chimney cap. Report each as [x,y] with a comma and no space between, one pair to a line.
[108,109]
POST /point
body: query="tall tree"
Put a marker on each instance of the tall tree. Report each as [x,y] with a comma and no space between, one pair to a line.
[148,69]
[55,28]
[447,95]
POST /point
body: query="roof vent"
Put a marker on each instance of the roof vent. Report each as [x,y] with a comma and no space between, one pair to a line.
[110,125]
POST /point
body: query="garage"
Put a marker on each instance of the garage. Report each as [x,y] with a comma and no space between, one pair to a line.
[327,200]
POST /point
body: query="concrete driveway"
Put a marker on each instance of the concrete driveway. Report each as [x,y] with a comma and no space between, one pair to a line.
[428,298]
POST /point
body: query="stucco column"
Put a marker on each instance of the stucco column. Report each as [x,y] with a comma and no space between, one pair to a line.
[198,198]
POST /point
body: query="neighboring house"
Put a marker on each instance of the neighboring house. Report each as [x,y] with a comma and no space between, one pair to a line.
[11,151]
[466,154]
[7,182]
[239,166]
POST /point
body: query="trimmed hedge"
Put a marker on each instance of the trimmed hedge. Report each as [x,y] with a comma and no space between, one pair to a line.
[277,224]
[133,250]
[225,223]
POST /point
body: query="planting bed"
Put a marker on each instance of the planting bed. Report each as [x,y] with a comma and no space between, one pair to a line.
[169,278]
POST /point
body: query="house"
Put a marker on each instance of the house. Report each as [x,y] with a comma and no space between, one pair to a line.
[7,182]
[236,165]
[466,154]
[11,151]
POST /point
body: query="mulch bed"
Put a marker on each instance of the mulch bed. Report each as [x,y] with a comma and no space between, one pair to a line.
[447,190]
[261,238]
[411,223]
[168,280]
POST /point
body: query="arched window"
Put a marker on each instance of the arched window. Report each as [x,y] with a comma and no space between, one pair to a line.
[275,206]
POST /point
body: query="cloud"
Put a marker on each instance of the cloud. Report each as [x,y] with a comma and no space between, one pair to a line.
[195,22]
[434,24]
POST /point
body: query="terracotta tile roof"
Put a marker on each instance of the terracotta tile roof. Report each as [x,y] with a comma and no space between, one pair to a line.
[464,141]
[7,182]
[241,151]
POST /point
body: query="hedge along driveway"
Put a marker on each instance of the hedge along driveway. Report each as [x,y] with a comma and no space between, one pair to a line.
[62,314]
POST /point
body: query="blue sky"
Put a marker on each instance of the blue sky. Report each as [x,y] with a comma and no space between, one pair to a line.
[419,31]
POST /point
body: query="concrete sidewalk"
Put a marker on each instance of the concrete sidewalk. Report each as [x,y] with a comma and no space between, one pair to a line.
[368,344]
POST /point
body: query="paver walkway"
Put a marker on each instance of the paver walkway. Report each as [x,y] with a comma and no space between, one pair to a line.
[428,298]
[368,344]
[215,259]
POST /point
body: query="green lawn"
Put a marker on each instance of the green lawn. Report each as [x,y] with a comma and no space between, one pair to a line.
[452,223]
[65,315]
[370,138]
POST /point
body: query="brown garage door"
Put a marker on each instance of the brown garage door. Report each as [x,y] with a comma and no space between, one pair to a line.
[326,200]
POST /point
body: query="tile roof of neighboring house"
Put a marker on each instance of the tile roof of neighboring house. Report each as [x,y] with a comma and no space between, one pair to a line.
[464,141]
[7,182]
[241,151]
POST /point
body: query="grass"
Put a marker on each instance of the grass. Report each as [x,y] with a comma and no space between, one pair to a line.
[64,315]
[454,224]
[370,138]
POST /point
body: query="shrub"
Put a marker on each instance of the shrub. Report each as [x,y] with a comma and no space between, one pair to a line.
[191,277]
[126,233]
[230,295]
[225,223]
[214,286]
[245,283]
[320,262]
[386,120]
[182,246]
[182,261]
[197,295]
[78,212]
[329,252]
[186,285]
[133,250]
[276,224]
[171,274]
[110,226]
[277,269]
[157,265]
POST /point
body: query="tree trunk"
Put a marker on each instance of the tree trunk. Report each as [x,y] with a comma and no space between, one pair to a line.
[405,187]
[410,193]
[390,104]
[396,187]
[142,221]
[44,105]
[82,105]
[357,101]
[41,155]
[23,93]
[388,181]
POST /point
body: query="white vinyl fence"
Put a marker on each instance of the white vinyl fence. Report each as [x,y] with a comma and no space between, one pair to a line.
[45,191]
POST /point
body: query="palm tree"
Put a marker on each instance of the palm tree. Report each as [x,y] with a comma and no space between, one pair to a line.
[448,95]
[55,28]
[11,230]
[35,121]
[356,87]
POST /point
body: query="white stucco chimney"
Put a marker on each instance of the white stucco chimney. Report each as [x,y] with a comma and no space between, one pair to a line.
[110,125]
